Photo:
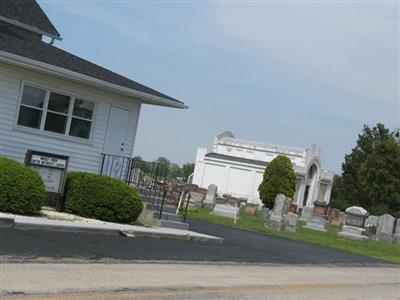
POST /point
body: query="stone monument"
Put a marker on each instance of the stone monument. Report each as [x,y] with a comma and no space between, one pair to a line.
[306,213]
[226,210]
[291,222]
[211,197]
[250,210]
[333,215]
[196,199]
[396,235]
[354,228]
[274,220]
[385,228]
[265,212]
[316,223]
[320,208]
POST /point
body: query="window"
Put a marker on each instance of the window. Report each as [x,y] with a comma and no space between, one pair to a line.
[52,111]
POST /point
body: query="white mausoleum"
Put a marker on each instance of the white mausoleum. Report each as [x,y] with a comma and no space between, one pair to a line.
[237,166]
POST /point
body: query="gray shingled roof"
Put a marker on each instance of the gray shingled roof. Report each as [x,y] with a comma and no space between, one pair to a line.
[237,159]
[298,169]
[12,41]
[27,12]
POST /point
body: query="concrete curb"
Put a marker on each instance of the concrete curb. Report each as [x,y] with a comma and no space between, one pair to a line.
[35,223]
[7,222]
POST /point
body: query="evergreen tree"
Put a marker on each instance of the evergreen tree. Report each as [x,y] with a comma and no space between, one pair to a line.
[279,177]
[188,169]
[371,173]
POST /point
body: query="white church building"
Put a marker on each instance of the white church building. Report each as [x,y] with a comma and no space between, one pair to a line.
[237,166]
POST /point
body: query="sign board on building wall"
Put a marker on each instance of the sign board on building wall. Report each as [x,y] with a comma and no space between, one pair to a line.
[51,167]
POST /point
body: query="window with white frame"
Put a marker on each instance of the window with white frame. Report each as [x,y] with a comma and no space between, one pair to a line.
[55,112]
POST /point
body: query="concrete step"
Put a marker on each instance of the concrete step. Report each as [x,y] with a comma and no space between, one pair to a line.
[168,216]
[166,208]
[174,224]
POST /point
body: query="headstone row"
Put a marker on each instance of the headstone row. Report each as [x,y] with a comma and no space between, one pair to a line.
[362,226]
[277,219]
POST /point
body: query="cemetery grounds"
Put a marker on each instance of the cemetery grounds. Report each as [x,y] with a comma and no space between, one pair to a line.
[375,249]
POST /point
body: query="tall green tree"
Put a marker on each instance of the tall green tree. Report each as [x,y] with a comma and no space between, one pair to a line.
[371,172]
[187,169]
[338,200]
[163,166]
[175,170]
[279,177]
[163,161]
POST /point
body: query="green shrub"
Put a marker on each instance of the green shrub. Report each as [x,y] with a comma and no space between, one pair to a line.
[21,189]
[279,177]
[101,197]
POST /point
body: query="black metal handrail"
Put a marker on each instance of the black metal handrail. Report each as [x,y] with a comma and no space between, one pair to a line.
[152,180]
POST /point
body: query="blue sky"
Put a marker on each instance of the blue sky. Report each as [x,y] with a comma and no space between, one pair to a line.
[292,73]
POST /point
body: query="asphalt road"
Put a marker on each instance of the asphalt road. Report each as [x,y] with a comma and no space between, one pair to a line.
[85,281]
[238,246]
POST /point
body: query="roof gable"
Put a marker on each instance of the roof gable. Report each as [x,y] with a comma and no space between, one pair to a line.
[27,14]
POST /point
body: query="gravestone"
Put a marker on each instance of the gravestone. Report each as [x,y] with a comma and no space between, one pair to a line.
[306,213]
[274,220]
[265,212]
[250,210]
[356,216]
[353,233]
[354,228]
[396,235]
[371,221]
[385,228]
[196,199]
[371,224]
[291,222]
[333,215]
[320,208]
[226,210]
[293,208]
[211,197]
[316,223]
[279,205]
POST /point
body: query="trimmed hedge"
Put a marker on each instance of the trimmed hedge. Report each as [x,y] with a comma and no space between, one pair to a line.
[22,190]
[101,197]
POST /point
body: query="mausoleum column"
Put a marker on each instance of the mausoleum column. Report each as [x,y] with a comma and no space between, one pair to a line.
[300,195]
[328,192]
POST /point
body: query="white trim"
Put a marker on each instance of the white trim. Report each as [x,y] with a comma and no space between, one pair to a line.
[61,72]
[51,134]
[30,28]
[44,110]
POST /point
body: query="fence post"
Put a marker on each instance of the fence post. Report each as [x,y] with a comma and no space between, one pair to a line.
[187,205]
[102,163]
[162,203]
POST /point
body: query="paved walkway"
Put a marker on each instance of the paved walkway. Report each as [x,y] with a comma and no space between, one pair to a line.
[90,225]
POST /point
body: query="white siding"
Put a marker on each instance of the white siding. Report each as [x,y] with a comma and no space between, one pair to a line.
[215,174]
[84,155]
[244,151]
[239,181]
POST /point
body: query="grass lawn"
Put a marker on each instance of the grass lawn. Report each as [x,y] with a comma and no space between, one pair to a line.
[380,250]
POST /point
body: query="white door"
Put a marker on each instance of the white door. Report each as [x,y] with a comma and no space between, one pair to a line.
[117,132]
[116,163]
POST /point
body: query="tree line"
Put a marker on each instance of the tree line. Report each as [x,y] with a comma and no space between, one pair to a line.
[370,175]
[165,167]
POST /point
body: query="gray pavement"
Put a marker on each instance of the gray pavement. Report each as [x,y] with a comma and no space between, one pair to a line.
[197,281]
[238,246]
[39,264]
